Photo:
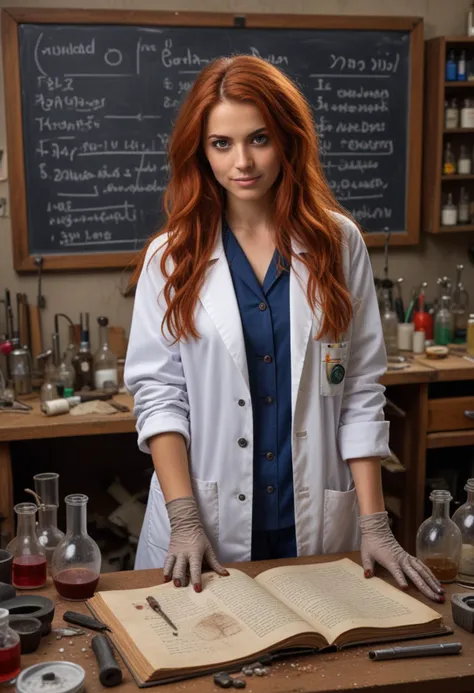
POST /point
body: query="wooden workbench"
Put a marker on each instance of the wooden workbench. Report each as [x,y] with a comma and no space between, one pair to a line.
[409,387]
[331,672]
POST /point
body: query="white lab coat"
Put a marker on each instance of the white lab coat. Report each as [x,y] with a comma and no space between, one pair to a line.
[194,387]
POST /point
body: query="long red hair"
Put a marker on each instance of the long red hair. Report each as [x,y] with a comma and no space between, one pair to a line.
[194,201]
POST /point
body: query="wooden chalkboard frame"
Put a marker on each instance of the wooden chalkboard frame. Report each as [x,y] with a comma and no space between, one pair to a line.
[12,17]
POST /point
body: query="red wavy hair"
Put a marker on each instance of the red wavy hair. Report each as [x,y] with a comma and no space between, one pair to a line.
[194,201]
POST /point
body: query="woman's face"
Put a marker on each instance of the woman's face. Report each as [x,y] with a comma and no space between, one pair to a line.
[239,150]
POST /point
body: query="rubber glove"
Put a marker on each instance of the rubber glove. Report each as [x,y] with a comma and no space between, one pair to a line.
[188,545]
[379,544]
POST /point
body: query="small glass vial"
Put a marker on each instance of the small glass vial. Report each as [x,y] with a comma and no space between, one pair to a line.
[443,323]
[451,67]
[451,115]
[9,649]
[83,359]
[49,536]
[464,518]
[29,558]
[464,161]
[461,68]
[75,567]
[467,114]
[389,322]
[449,212]
[105,361]
[438,540]
[449,164]
[464,207]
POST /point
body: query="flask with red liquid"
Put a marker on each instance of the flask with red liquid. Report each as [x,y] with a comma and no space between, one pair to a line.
[29,558]
[75,566]
[9,649]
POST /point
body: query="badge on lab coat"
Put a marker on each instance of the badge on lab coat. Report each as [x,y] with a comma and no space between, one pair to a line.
[334,357]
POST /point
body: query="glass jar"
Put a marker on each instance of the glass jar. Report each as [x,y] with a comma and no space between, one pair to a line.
[464,518]
[105,361]
[29,558]
[49,536]
[75,567]
[438,540]
[389,322]
[9,649]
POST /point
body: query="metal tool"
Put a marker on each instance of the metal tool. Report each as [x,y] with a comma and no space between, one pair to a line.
[442,648]
[40,301]
[385,253]
[399,308]
[156,607]
[110,673]
[84,621]
[462,607]
[9,314]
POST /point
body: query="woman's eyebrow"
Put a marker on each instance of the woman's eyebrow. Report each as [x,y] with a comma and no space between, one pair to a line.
[226,137]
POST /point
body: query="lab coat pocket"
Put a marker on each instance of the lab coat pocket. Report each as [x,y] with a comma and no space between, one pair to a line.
[207,499]
[341,528]
[334,358]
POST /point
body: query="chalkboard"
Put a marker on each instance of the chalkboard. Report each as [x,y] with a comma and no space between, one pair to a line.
[98,103]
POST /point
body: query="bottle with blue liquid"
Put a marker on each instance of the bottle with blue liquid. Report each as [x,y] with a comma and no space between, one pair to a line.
[451,67]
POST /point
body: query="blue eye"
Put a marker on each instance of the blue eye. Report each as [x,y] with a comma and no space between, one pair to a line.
[262,139]
[217,144]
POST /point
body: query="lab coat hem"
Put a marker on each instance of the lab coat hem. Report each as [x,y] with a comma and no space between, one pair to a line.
[367,439]
[162,423]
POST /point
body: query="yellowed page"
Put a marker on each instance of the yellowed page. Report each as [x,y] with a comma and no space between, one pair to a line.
[335,597]
[233,617]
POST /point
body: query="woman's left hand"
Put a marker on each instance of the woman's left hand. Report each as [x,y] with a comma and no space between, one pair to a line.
[379,544]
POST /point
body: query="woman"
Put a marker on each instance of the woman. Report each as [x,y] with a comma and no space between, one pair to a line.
[256,347]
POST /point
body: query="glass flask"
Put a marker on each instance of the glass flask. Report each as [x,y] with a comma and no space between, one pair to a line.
[464,518]
[105,361]
[75,567]
[438,540]
[389,323]
[49,536]
[9,649]
[29,558]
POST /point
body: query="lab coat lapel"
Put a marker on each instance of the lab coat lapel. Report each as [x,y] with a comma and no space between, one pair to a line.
[219,301]
[301,320]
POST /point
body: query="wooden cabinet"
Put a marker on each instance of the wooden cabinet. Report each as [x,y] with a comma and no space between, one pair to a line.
[437,186]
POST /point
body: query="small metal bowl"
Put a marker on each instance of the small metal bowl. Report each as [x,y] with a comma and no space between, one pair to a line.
[29,630]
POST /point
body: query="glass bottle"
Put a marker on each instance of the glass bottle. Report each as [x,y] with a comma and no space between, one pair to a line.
[464,161]
[464,207]
[451,115]
[105,361]
[449,163]
[464,518]
[29,558]
[83,360]
[449,212]
[451,67]
[9,649]
[76,562]
[389,323]
[460,309]
[49,536]
[443,323]
[438,540]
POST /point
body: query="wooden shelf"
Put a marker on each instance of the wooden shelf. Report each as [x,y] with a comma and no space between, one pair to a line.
[449,439]
[460,85]
[458,176]
[457,227]
[458,131]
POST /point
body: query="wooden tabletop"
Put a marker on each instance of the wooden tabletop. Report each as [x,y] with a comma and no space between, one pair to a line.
[331,672]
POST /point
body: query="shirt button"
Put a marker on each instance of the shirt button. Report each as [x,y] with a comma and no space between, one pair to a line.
[270,456]
[268,400]
[242,442]
[270,489]
[241,403]
[262,306]
[241,497]
[267,359]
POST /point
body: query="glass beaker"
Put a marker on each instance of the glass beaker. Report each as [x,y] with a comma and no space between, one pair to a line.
[49,536]
[75,567]
[9,649]
[464,518]
[438,540]
[29,558]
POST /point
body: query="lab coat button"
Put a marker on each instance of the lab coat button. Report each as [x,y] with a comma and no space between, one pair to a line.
[267,359]
[270,489]
[262,306]
[241,403]
[241,497]
[270,456]
[268,400]
[242,442]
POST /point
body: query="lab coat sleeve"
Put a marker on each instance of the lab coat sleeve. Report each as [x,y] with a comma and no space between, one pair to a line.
[153,369]
[363,432]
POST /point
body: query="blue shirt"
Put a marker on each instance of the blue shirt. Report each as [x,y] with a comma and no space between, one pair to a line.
[265,315]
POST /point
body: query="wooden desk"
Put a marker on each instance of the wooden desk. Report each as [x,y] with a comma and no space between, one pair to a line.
[35,426]
[335,672]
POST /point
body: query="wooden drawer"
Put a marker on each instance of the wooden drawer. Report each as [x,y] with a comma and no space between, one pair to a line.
[451,414]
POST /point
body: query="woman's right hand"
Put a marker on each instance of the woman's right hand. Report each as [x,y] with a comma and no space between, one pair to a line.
[189,545]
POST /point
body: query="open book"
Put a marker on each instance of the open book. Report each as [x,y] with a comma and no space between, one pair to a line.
[237,618]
